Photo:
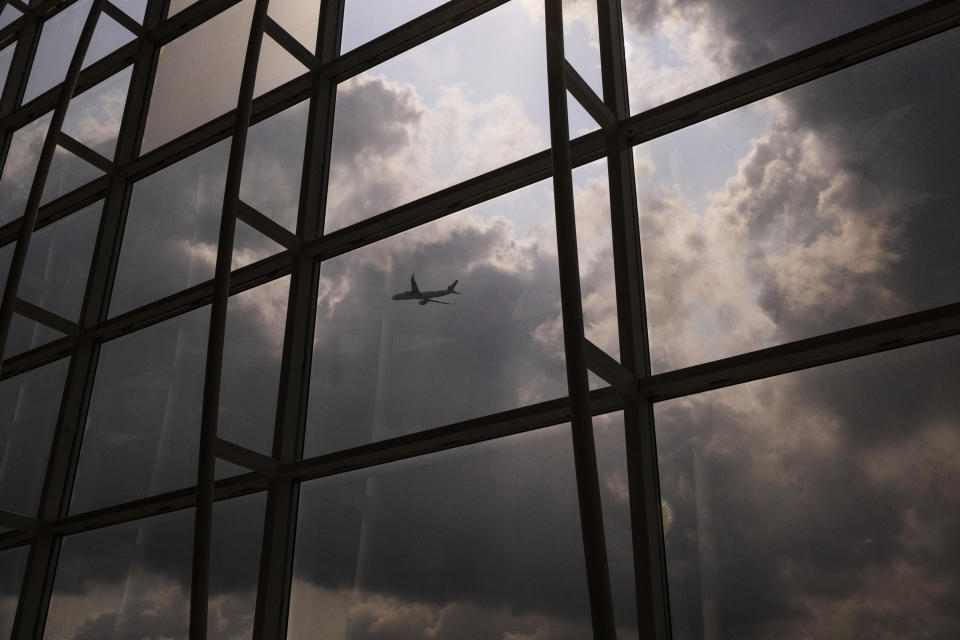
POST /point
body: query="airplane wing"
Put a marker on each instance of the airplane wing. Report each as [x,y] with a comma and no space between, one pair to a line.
[413,285]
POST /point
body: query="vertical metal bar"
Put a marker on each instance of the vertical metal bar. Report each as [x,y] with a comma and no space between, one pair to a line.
[276,558]
[653,616]
[203,521]
[41,563]
[588,483]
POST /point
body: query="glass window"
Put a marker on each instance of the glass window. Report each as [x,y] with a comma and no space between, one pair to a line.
[133,8]
[94,116]
[674,48]
[20,167]
[817,503]
[473,542]
[26,334]
[29,404]
[67,172]
[830,205]
[173,224]
[275,66]
[14,561]
[6,57]
[58,260]
[251,365]
[8,15]
[463,103]
[143,425]
[384,367]
[273,164]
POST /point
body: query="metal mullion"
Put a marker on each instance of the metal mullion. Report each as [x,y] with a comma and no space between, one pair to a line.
[649,559]
[276,558]
[21,64]
[213,371]
[581,425]
[460,434]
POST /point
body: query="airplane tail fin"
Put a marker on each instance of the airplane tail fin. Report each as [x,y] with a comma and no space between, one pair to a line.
[450,288]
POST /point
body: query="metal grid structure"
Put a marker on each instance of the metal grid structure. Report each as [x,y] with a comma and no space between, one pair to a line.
[633,389]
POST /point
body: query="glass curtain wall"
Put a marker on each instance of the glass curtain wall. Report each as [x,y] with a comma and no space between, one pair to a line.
[509,319]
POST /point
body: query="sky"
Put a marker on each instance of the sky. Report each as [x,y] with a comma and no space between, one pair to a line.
[816,504]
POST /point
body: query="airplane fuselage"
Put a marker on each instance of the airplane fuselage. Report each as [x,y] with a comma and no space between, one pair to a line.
[421,295]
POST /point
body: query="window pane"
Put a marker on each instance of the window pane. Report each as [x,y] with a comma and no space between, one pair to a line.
[6,57]
[143,425]
[299,18]
[830,205]
[20,167]
[29,404]
[364,20]
[173,224]
[94,116]
[820,503]
[67,172]
[475,542]
[133,8]
[125,581]
[26,334]
[13,562]
[463,103]
[251,365]
[198,76]
[58,261]
[674,48]
[384,367]
[8,15]
[273,164]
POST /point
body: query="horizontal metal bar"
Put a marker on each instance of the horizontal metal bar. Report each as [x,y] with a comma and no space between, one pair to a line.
[17,521]
[48,318]
[59,208]
[867,339]
[406,37]
[291,44]
[273,230]
[614,373]
[246,458]
[587,98]
[849,49]
[38,357]
[187,19]
[460,434]
[84,152]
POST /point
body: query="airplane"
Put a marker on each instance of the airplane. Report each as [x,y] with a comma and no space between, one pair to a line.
[425,296]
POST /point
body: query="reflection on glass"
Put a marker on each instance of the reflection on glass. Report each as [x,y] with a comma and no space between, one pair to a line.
[20,167]
[249,246]
[143,425]
[817,503]
[251,365]
[472,542]
[273,164]
[598,290]
[615,501]
[830,205]
[67,172]
[58,39]
[364,20]
[385,367]
[13,562]
[55,272]
[130,580]
[198,76]
[299,18]
[581,36]
[29,404]
[170,238]
[94,116]
[674,48]
[463,103]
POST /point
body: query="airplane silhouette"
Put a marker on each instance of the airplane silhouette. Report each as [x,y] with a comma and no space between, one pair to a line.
[425,296]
